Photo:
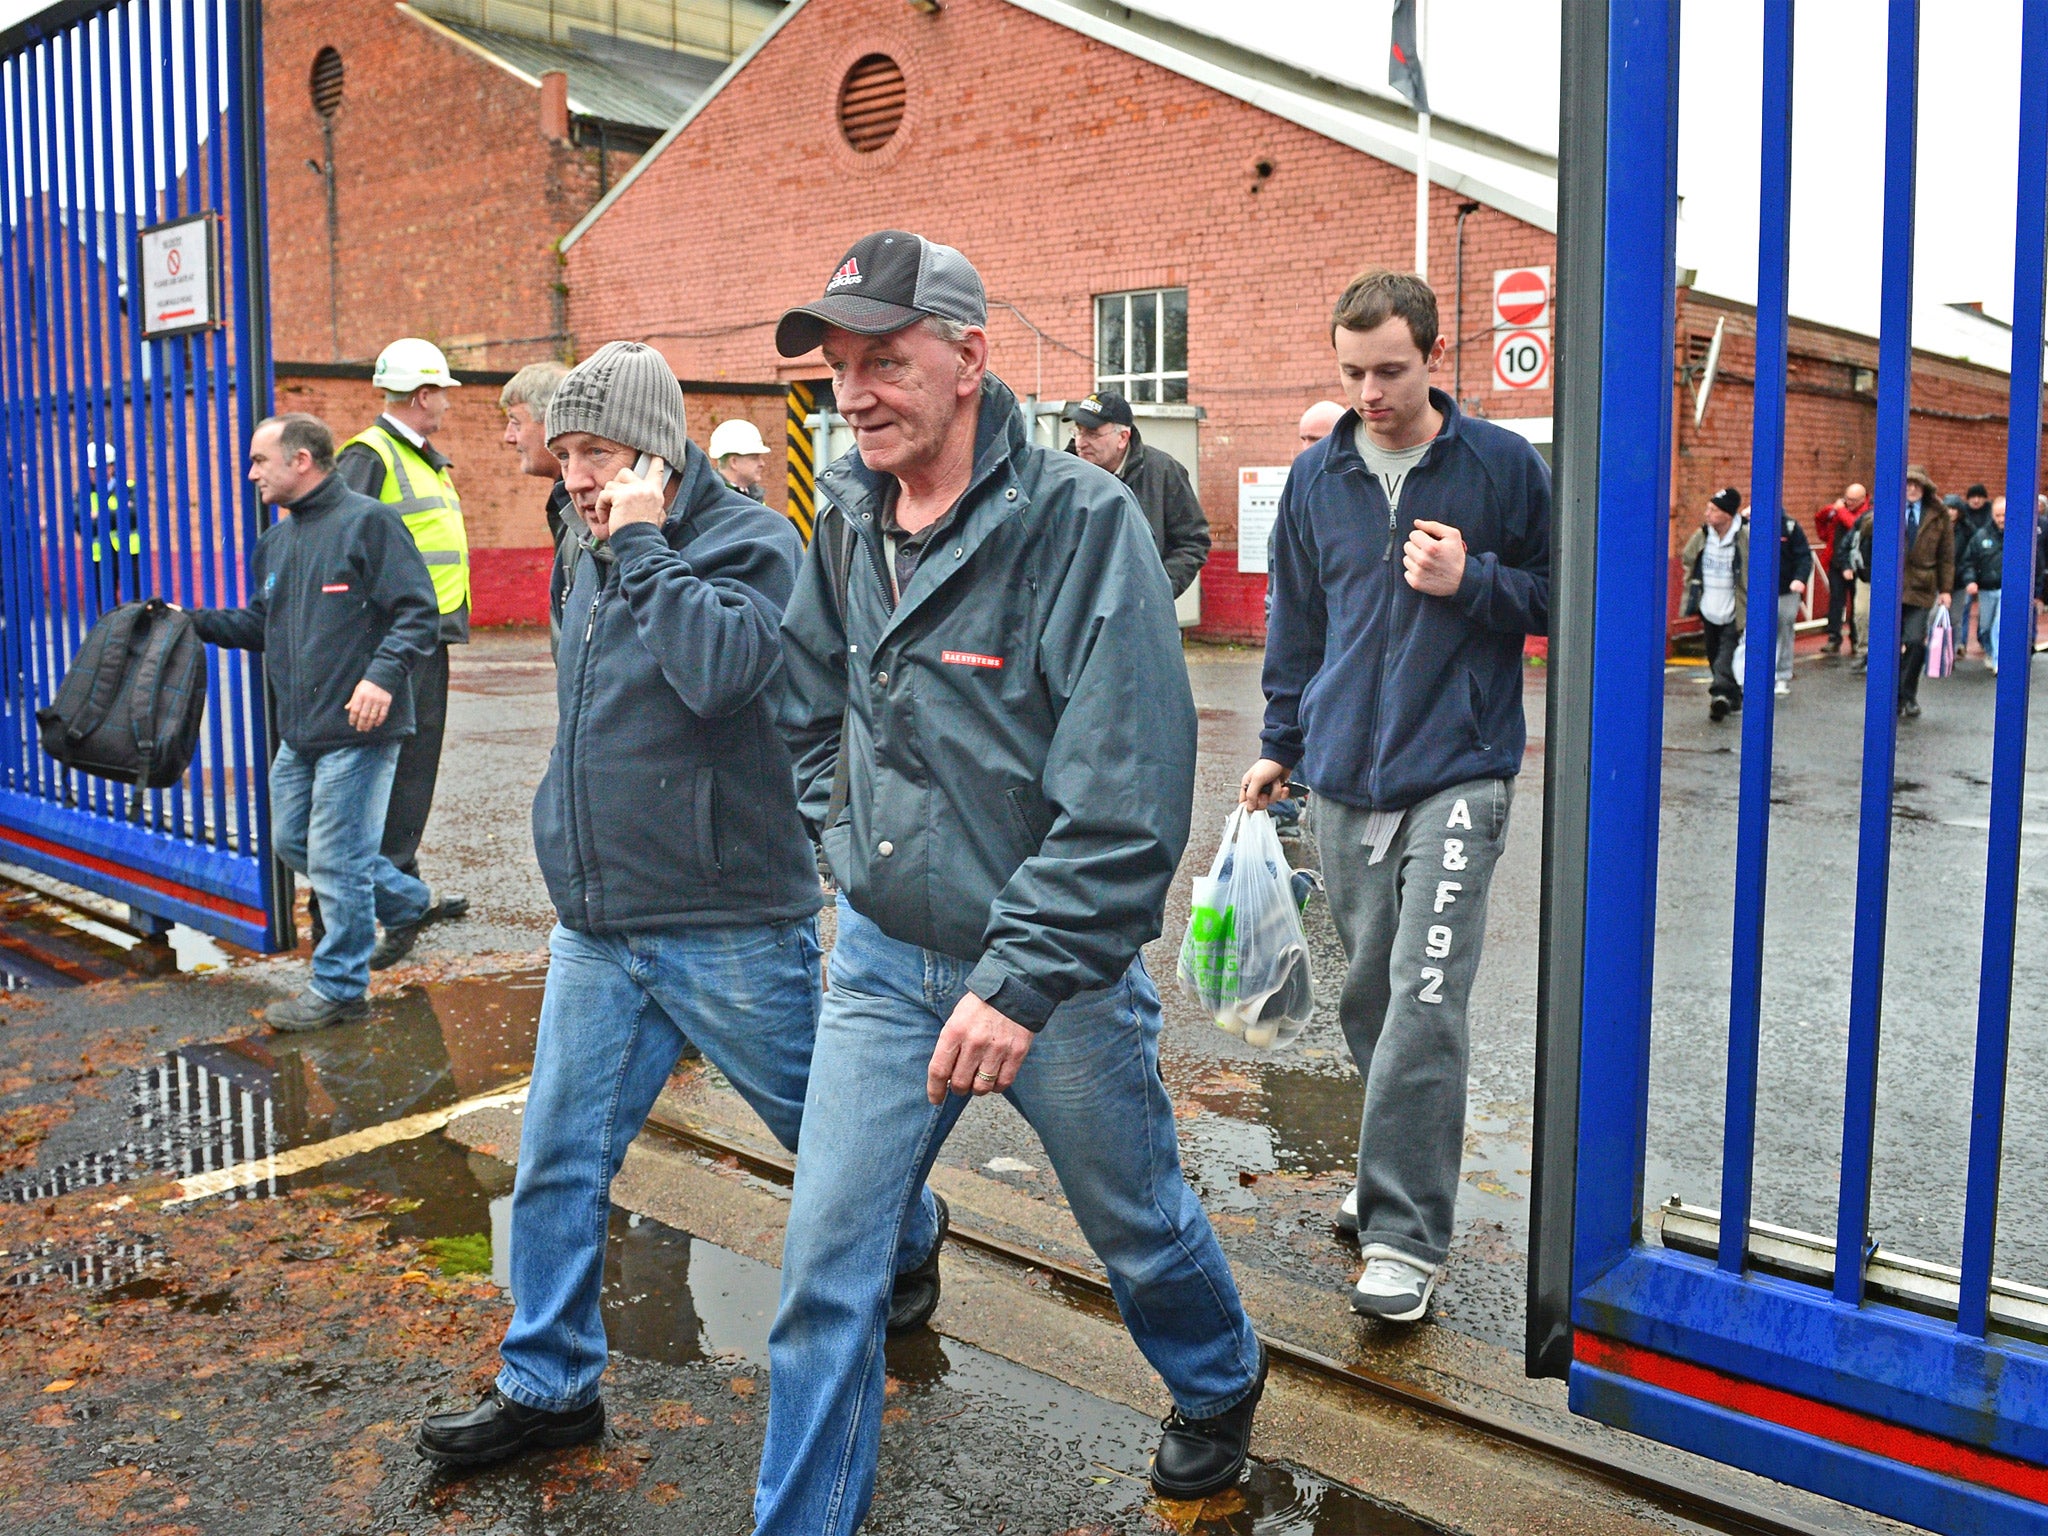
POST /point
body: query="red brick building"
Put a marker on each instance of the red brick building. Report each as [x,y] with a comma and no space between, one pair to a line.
[1092,162]
[424,161]
[1957,431]
[1102,167]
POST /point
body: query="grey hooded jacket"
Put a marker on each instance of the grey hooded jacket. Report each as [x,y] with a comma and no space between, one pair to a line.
[1020,733]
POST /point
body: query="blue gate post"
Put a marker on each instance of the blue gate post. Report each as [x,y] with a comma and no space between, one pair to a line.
[1881,697]
[1637,315]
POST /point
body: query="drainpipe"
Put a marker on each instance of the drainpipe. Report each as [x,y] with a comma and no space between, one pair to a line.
[1458,322]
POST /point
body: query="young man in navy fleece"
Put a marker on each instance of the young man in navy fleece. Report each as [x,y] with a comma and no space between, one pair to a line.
[1412,557]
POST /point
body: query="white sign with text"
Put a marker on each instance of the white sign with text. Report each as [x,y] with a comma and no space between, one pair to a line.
[1258,507]
[179,292]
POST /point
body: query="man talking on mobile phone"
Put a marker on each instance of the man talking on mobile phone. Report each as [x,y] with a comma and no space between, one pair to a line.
[675,924]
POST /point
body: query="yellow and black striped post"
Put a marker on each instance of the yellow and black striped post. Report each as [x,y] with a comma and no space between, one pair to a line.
[803,474]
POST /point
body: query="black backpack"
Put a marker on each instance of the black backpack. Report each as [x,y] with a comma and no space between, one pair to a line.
[130,706]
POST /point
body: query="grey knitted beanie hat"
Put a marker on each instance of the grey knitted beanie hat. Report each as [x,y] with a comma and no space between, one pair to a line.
[623,392]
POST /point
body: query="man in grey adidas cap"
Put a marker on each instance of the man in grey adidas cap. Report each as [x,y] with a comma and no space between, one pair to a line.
[675,923]
[995,736]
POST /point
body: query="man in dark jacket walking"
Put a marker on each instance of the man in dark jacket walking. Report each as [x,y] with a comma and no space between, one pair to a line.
[1795,571]
[1971,519]
[343,610]
[1926,581]
[1980,567]
[1715,561]
[1836,525]
[1395,688]
[1107,436]
[986,669]
[674,923]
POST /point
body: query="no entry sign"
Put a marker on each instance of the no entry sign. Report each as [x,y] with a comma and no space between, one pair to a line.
[1521,360]
[1521,298]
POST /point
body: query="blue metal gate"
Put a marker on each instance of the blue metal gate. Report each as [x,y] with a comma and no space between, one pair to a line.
[1929,1412]
[122,425]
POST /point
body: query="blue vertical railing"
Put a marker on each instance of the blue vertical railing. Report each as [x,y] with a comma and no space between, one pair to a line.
[114,118]
[1635,468]
[1759,714]
[1881,697]
[2016,645]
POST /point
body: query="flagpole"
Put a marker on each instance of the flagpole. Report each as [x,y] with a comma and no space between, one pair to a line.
[1421,150]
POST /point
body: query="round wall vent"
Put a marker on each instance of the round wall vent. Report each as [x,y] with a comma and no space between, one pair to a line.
[871,102]
[326,81]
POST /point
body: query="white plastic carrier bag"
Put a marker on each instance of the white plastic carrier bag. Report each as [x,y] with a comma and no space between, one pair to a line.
[1245,958]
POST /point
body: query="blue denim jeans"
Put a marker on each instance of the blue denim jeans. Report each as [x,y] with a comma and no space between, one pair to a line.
[327,822]
[612,1022]
[1090,1087]
[1987,623]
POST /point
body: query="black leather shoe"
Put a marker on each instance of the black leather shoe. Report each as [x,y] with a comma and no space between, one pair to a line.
[497,1427]
[1200,1457]
[396,943]
[916,1296]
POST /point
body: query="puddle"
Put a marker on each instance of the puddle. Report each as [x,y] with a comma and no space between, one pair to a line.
[676,1300]
[212,1105]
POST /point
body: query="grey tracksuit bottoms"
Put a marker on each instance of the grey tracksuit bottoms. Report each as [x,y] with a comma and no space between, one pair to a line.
[1412,925]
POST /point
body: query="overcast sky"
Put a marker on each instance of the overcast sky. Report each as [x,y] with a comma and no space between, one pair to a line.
[1494,63]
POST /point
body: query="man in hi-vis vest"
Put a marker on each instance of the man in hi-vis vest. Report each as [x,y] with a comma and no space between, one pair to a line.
[393,460]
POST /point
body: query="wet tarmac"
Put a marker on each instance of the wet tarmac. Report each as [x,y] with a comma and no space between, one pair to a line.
[181,1081]
[687,1321]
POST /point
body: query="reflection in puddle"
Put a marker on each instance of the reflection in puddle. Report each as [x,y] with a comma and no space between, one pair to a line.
[108,1264]
[677,1300]
[216,1104]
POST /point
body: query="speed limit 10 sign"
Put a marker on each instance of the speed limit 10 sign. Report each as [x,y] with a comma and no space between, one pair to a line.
[1521,360]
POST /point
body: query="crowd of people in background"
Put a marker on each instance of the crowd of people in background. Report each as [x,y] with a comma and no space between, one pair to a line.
[1953,566]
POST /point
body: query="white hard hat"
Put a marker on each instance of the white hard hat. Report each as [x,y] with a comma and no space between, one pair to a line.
[730,437]
[408,363]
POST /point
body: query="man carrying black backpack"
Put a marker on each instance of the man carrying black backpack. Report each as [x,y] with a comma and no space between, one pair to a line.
[343,610]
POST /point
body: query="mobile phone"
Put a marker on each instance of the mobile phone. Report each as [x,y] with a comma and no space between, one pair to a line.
[646,462]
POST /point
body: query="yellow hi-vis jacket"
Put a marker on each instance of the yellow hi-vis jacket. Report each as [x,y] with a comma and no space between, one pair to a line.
[425,497]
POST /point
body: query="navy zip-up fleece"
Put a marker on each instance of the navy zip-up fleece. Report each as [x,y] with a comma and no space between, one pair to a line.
[338,595]
[669,799]
[1379,695]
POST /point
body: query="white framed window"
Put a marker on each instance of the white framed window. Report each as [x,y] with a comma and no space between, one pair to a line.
[1141,344]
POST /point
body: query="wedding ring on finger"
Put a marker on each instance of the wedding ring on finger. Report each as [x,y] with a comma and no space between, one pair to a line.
[983,1075]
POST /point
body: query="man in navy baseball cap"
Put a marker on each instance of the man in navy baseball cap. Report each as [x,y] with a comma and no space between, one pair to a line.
[887,281]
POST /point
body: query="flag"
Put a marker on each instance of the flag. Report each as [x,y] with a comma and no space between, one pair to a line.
[1404,62]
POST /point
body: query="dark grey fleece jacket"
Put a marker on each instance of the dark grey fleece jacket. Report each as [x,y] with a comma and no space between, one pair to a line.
[1019,730]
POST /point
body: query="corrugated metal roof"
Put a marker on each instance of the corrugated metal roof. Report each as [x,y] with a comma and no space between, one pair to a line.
[610,79]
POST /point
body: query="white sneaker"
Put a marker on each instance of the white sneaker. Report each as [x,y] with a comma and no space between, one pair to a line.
[1782,689]
[1394,1288]
[1347,1213]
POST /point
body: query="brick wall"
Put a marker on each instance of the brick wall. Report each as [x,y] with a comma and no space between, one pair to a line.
[1957,429]
[450,197]
[1064,168]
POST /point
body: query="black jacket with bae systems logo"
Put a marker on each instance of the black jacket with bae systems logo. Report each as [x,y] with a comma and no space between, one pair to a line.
[337,593]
